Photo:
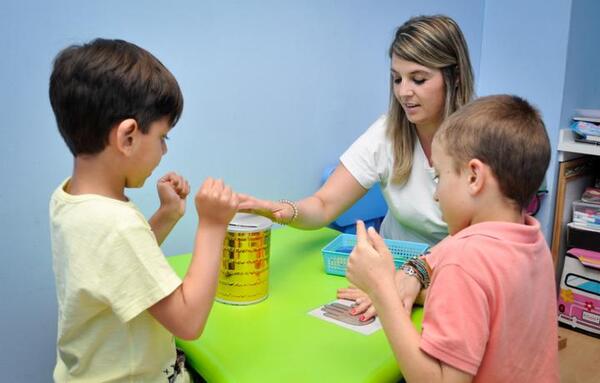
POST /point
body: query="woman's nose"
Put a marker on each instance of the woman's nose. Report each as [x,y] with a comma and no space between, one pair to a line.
[404,89]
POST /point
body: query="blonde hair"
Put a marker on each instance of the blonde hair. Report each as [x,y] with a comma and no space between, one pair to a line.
[435,42]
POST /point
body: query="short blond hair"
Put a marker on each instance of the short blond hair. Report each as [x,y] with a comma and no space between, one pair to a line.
[506,133]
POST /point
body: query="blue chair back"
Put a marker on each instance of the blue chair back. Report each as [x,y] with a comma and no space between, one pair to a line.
[371,208]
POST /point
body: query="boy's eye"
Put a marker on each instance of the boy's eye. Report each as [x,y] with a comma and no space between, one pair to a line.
[165,137]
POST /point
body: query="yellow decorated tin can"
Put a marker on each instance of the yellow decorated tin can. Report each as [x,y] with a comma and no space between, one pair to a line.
[244,273]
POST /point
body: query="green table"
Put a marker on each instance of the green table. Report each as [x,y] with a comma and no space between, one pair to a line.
[276,340]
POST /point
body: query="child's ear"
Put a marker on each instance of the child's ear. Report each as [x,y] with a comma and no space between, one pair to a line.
[125,135]
[477,173]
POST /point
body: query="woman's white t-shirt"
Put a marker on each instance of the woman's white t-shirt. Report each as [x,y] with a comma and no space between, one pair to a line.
[413,214]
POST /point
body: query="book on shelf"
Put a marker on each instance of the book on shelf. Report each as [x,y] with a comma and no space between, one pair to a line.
[586,131]
[583,226]
[591,195]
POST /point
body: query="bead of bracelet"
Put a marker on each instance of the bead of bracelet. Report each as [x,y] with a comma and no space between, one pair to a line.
[411,271]
[294,208]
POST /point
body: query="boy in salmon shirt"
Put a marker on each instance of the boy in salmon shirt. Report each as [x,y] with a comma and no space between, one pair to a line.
[490,310]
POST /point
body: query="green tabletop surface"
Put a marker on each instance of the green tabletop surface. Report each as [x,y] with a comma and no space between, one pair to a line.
[276,340]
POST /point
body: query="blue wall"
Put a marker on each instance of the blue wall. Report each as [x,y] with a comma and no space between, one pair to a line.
[274,91]
[582,77]
[524,52]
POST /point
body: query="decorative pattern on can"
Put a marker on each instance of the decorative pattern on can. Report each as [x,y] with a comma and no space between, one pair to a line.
[244,273]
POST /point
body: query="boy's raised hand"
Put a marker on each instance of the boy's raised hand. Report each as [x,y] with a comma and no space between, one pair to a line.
[371,265]
[216,203]
[172,192]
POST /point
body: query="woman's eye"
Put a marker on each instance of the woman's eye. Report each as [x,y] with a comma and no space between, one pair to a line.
[419,81]
[397,81]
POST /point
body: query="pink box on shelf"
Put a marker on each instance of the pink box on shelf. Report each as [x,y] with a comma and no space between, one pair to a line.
[579,298]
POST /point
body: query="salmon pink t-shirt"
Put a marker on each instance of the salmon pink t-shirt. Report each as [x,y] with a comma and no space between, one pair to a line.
[491,307]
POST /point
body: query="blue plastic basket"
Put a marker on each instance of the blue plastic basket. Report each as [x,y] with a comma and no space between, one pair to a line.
[336,253]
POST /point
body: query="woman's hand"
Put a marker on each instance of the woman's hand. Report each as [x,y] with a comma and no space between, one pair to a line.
[275,211]
[408,290]
[362,302]
[350,293]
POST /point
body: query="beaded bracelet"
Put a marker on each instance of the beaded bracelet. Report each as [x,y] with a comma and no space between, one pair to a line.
[411,271]
[419,264]
[424,270]
[421,271]
[294,208]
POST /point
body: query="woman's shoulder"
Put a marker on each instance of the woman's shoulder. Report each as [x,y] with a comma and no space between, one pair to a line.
[380,123]
[377,131]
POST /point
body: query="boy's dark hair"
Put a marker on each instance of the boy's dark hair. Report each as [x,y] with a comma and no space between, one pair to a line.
[506,133]
[96,85]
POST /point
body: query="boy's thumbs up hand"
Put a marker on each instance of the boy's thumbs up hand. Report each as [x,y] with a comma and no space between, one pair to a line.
[371,265]
[379,245]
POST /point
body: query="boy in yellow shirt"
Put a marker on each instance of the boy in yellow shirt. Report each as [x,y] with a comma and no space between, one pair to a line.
[119,301]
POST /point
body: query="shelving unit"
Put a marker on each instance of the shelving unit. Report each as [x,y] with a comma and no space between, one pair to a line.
[579,359]
[578,166]
[568,148]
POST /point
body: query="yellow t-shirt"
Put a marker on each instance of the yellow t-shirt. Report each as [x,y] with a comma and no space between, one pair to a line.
[109,270]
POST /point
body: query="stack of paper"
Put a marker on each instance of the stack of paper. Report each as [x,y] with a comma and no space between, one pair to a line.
[586,126]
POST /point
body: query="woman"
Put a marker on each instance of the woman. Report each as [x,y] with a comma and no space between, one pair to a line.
[431,77]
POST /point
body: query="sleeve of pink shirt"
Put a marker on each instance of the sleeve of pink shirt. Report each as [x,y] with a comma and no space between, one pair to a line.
[456,321]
